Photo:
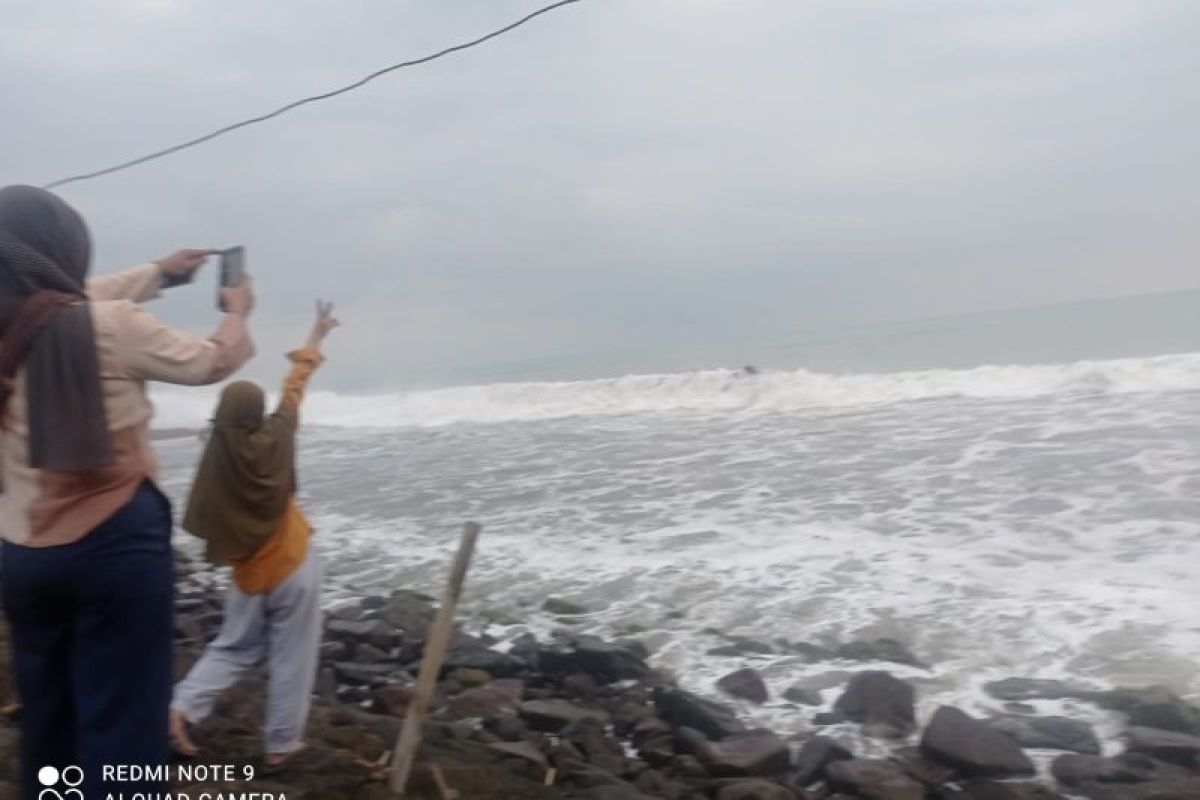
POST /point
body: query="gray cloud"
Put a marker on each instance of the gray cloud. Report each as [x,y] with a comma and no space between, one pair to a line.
[624,175]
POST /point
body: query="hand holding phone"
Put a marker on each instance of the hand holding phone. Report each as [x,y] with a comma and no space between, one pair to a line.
[235,293]
[180,267]
[233,273]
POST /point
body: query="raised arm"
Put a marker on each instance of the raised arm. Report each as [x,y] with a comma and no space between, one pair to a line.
[305,361]
[151,350]
[146,281]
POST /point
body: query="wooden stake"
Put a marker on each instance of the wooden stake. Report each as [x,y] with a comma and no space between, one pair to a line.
[431,665]
[443,787]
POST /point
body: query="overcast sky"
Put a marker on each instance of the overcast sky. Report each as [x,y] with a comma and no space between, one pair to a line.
[621,175]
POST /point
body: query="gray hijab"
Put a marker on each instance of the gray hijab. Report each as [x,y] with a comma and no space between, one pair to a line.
[46,327]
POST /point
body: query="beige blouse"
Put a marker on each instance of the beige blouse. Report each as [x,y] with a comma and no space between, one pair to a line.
[42,508]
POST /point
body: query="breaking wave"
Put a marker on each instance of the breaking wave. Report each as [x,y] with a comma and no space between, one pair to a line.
[714,390]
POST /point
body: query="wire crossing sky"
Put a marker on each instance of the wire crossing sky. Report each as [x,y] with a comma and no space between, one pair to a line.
[208,137]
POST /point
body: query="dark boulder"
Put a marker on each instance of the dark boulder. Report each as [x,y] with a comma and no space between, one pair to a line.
[1049,733]
[1021,689]
[1077,770]
[680,708]
[373,632]
[410,612]
[753,790]
[604,662]
[888,650]
[474,655]
[921,769]
[482,702]
[812,758]
[991,790]
[745,684]
[365,674]
[803,695]
[874,779]
[755,753]
[972,747]
[1184,788]
[882,703]
[743,647]
[551,716]
[563,608]
[1174,748]
[1153,707]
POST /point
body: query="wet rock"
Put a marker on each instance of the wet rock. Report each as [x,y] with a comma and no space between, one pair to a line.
[392,700]
[811,653]
[410,612]
[882,703]
[1187,788]
[1077,770]
[1153,707]
[1021,689]
[590,737]
[470,678]
[991,790]
[481,702]
[525,750]
[563,608]
[609,663]
[874,779]
[552,716]
[972,747]
[802,695]
[367,653]
[620,790]
[526,647]
[1049,733]
[879,650]
[373,632]
[346,613]
[827,718]
[605,662]
[474,656]
[334,650]
[743,647]
[327,684]
[507,727]
[745,684]
[754,790]
[812,758]
[922,769]
[752,753]
[1174,748]
[363,674]
[680,708]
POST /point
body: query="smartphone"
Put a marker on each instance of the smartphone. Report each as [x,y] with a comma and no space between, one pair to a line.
[233,271]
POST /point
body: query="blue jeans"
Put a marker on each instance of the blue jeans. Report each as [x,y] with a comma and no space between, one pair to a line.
[91,628]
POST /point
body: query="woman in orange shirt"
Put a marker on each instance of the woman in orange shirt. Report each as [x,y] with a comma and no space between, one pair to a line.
[243,504]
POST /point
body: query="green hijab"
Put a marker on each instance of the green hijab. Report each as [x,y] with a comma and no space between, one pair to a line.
[246,477]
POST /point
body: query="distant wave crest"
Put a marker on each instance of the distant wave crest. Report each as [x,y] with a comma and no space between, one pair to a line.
[714,390]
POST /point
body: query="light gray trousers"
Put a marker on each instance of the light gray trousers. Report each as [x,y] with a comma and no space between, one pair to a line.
[282,627]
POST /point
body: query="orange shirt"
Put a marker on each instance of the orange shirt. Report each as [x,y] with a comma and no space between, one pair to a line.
[281,554]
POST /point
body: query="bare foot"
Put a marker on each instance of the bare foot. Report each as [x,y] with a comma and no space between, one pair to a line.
[177,730]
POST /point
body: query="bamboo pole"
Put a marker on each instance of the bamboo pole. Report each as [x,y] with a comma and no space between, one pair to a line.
[431,664]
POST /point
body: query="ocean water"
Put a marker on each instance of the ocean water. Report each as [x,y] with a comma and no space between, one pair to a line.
[1002,518]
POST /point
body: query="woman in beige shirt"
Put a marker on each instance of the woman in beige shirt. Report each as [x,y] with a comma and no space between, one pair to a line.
[87,564]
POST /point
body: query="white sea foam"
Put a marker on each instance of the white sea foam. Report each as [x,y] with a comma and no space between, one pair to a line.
[1033,521]
[714,390]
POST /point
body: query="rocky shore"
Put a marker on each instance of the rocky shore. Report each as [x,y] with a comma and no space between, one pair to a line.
[578,717]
